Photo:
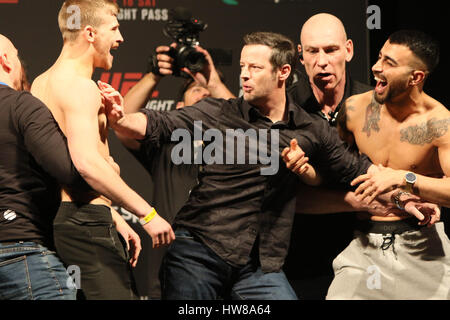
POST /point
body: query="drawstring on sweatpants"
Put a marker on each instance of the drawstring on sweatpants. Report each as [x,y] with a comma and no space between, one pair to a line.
[388,241]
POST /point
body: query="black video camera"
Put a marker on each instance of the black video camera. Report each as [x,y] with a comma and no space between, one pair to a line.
[185,30]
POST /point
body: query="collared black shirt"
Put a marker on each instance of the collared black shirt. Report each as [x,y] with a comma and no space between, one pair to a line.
[34,158]
[233,204]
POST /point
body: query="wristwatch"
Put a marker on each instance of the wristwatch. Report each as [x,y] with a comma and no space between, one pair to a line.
[410,178]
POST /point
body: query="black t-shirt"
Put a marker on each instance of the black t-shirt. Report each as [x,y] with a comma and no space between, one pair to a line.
[34,158]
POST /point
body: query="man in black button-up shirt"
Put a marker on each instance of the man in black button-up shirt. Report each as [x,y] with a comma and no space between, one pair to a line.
[233,233]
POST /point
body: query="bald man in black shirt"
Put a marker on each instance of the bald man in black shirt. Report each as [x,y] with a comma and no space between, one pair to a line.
[34,160]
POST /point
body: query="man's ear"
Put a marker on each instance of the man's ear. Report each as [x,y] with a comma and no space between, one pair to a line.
[417,77]
[349,50]
[4,63]
[285,71]
[300,53]
[89,33]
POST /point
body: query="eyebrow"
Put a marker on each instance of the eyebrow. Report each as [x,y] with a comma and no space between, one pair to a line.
[390,59]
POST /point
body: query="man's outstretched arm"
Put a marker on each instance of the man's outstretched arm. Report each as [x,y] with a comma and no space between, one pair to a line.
[83,136]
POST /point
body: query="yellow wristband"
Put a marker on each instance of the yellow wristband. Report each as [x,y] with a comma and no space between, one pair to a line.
[148,217]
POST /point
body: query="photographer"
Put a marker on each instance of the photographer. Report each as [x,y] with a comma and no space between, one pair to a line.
[172,182]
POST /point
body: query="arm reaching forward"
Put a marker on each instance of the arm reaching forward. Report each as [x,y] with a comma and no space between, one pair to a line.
[81,114]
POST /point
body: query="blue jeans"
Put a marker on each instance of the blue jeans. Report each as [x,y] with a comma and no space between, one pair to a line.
[29,271]
[192,271]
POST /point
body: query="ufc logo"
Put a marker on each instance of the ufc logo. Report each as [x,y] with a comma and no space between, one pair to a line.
[120,81]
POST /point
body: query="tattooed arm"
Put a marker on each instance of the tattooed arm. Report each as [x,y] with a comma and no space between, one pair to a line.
[437,190]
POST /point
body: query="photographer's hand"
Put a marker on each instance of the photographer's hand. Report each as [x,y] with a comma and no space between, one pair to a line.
[141,92]
[165,62]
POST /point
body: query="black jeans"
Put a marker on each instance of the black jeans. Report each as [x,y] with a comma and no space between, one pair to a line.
[86,238]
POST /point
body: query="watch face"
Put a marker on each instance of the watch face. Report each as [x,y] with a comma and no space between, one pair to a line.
[410,177]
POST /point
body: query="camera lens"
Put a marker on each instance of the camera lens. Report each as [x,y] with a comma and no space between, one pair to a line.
[190,58]
[195,61]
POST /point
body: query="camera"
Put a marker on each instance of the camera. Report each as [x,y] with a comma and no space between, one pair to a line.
[185,31]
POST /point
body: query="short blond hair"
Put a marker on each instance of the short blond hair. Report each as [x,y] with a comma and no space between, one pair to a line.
[89,15]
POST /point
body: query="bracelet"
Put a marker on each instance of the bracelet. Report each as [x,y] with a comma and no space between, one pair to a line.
[148,217]
[397,201]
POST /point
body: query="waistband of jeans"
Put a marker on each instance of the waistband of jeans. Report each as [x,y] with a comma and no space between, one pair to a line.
[388,227]
[83,212]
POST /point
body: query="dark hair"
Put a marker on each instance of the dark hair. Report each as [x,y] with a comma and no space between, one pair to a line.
[283,49]
[421,44]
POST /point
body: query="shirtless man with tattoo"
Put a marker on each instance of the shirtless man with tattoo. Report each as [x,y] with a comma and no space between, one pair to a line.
[85,228]
[398,126]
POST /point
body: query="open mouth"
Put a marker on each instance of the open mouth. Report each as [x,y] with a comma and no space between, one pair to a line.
[324,76]
[113,51]
[381,85]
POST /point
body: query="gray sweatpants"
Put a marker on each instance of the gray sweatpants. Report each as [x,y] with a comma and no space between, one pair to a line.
[415,265]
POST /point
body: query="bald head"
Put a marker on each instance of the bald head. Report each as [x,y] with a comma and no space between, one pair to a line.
[323,25]
[325,50]
[10,66]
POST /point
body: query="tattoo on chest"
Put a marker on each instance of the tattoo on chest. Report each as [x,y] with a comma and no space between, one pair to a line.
[426,132]
[372,118]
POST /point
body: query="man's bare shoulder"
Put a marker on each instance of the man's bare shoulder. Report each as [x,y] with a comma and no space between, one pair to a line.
[355,106]
[66,89]
[436,108]
[438,121]
[359,101]
[77,92]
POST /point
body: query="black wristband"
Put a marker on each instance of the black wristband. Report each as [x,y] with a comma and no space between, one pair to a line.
[152,65]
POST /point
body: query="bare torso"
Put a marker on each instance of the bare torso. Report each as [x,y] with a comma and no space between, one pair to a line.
[51,88]
[407,144]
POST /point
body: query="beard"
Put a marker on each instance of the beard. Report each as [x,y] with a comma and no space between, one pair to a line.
[395,89]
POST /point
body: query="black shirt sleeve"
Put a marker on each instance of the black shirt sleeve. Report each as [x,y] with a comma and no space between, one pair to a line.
[160,125]
[341,162]
[44,139]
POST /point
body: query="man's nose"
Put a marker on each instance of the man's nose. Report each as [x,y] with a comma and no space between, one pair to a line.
[244,73]
[322,58]
[121,39]
[377,67]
